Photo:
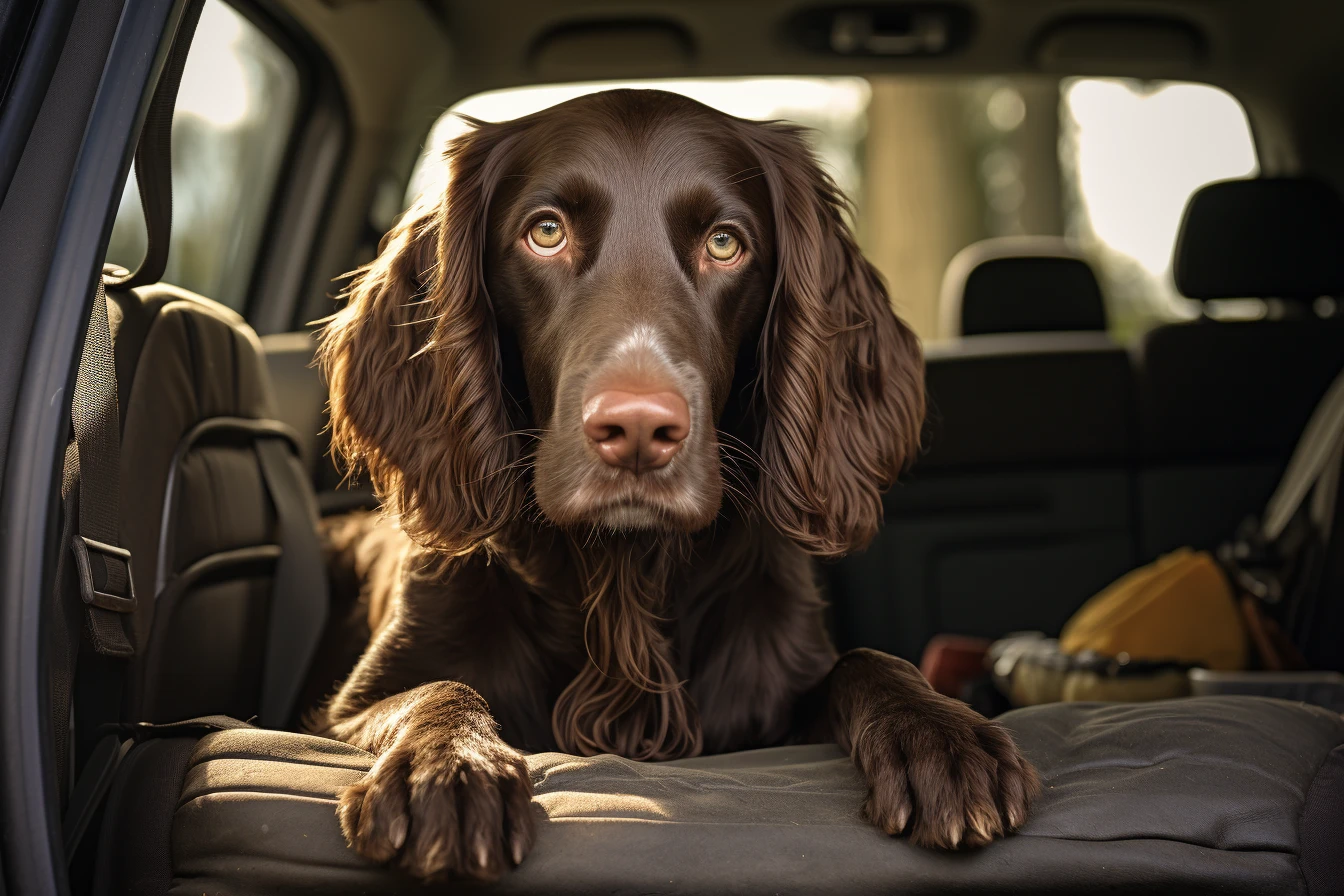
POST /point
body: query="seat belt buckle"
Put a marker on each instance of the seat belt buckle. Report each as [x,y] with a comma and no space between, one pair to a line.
[85,549]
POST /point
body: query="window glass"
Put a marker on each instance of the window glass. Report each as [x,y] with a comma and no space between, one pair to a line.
[934,164]
[1136,152]
[233,118]
[834,108]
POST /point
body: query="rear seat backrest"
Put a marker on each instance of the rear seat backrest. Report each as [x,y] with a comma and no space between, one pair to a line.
[1029,284]
[1222,403]
[1022,506]
[197,511]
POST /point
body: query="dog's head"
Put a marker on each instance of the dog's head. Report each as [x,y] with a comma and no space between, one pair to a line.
[614,302]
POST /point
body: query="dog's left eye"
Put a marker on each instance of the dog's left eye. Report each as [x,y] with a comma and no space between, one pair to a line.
[546,237]
[723,246]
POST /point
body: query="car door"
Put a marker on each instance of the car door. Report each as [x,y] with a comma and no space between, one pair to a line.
[74,97]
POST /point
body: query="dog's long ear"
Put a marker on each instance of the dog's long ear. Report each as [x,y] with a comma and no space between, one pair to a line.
[413,365]
[842,376]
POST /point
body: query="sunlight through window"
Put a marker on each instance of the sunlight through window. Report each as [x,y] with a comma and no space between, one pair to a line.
[834,107]
[1140,151]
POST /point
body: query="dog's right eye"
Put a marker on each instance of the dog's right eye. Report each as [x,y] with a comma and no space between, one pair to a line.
[723,247]
[546,237]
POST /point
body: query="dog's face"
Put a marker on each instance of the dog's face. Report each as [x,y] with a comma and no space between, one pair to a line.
[615,298]
[630,253]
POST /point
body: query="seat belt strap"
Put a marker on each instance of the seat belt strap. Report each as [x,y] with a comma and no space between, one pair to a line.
[1319,445]
[298,611]
[102,565]
[200,725]
[92,788]
[91,489]
[154,158]
[103,569]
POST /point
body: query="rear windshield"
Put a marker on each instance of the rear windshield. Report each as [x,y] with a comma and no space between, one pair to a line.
[935,164]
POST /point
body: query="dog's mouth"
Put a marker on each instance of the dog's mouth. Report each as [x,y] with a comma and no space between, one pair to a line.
[630,514]
[625,502]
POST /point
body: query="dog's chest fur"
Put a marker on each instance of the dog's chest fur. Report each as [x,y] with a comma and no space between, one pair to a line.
[718,636]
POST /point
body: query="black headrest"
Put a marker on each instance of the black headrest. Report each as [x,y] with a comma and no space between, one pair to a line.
[1279,237]
[1020,285]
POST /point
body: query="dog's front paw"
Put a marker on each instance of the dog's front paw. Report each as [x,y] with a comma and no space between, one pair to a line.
[949,776]
[442,809]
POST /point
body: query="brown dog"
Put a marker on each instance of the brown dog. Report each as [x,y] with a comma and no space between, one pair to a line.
[624,309]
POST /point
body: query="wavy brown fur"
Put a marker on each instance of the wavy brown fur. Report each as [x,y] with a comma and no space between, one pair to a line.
[843,377]
[628,699]
[412,363]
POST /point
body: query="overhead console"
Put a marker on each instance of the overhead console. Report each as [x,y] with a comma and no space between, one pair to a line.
[883,29]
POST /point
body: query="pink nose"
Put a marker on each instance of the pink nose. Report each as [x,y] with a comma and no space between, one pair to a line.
[636,430]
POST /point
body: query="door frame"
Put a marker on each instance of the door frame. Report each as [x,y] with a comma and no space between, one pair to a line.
[30,842]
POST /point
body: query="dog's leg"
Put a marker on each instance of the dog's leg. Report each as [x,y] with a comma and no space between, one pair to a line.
[446,796]
[934,766]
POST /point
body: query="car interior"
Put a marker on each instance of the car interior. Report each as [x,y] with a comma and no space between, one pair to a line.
[1084,420]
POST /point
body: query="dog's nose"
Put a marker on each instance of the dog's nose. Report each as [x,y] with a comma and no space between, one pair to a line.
[636,430]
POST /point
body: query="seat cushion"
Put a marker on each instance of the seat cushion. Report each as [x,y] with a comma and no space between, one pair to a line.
[1214,794]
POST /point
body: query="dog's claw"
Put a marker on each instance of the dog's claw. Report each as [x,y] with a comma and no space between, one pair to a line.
[958,783]
[448,818]
[396,832]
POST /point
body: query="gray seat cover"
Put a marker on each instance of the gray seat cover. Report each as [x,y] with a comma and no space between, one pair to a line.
[1222,794]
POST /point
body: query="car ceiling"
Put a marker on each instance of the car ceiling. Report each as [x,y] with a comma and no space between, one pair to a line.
[403,62]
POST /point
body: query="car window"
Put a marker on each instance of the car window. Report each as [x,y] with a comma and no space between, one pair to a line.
[1136,152]
[934,164]
[235,111]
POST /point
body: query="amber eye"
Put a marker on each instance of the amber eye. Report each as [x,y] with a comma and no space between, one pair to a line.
[723,246]
[546,237]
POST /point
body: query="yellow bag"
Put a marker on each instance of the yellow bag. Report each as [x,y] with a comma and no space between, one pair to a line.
[1179,608]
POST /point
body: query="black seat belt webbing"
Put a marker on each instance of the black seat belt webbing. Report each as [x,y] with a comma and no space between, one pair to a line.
[299,596]
[154,158]
[92,788]
[103,568]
